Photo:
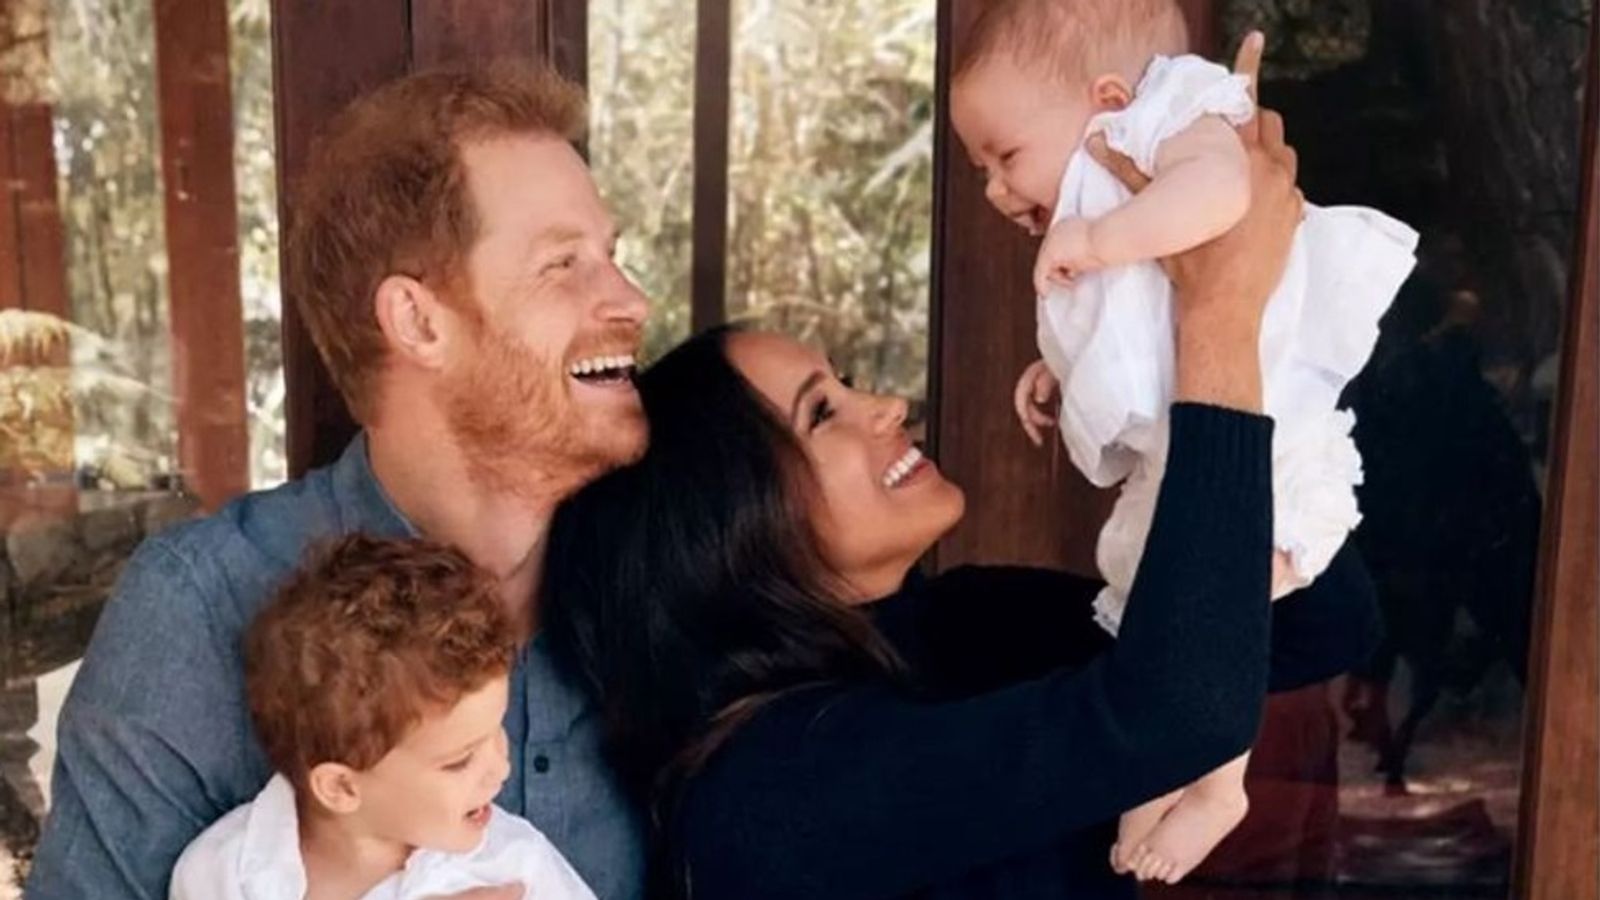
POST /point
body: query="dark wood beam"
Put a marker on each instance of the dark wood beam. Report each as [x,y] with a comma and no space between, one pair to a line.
[1026,505]
[33,268]
[564,38]
[206,315]
[317,69]
[12,288]
[708,281]
[1559,840]
[1205,36]
[449,31]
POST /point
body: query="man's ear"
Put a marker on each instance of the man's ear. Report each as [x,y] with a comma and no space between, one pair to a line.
[1110,93]
[414,320]
[335,787]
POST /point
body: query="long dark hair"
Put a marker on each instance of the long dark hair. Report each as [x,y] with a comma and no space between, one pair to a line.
[688,589]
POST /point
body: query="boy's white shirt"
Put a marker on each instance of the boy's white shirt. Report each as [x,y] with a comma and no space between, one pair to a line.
[1108,339]
[253,853]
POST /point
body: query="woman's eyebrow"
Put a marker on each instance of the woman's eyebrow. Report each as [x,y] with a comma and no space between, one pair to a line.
[805,387]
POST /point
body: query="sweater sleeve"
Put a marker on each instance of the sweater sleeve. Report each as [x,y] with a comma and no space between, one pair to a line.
[977,628]
[865,792]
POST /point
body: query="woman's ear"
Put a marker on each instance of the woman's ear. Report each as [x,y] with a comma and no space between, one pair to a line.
[335,787]
[413,320]
[1110,93]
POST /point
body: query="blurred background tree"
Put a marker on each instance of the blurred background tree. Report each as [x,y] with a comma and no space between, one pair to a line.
[830,170]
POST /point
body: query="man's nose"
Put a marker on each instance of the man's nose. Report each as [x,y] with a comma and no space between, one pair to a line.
[623,301]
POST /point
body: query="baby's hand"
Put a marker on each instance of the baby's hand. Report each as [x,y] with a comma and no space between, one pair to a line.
[1067,252]
[1035,391]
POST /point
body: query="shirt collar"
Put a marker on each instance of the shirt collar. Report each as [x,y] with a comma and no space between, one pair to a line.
[361,500]
[270,865]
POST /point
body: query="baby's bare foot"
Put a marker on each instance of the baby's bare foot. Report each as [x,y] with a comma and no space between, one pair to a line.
[1135,827]
[1188,833]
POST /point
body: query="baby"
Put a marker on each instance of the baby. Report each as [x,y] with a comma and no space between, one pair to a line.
[377,681]
[1036,79]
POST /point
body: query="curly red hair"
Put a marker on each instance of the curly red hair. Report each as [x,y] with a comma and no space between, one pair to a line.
[369,636]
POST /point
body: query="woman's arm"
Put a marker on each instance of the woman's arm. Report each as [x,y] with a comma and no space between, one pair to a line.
[866,792]
[979,628]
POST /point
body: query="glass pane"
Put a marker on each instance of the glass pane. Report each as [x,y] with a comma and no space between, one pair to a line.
[641,148]
[256,181]
[88,459]
[1402,779]
[830,180]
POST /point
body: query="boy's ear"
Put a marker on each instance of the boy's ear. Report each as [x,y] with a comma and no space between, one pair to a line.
[1110,93]
[335,787]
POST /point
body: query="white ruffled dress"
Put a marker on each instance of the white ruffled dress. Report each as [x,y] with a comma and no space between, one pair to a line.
[1108,338]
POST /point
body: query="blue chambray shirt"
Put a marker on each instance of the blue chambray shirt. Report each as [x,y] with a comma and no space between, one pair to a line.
[155,739]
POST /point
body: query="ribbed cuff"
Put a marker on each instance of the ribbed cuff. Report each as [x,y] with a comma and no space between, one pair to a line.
[1218,447]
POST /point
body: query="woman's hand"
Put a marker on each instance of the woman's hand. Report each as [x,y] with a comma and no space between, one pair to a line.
[1222,287]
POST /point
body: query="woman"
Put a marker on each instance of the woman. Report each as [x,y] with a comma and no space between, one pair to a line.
[805,720]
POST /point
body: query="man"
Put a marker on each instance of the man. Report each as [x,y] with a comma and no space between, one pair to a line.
[453,263]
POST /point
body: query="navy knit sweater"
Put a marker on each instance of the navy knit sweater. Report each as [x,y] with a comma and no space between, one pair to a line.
[1002,775]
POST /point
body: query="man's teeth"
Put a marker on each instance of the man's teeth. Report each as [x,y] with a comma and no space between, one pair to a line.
[898,472]
[597,364]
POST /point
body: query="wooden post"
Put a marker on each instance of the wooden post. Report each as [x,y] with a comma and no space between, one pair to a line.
[443,32]
[12,288]
[202,219]
[1030,505]
[318,69]
[1204,27]
[1559,840]
[33,267]
[565,38]
[708,289]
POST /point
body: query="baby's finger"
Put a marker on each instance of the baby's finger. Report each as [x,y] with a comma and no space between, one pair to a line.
[1043,390]
[1019,400]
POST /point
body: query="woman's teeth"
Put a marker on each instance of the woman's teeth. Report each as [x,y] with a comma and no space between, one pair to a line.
[897,473]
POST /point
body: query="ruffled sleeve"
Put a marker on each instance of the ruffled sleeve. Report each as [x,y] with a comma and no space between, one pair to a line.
[1174,94]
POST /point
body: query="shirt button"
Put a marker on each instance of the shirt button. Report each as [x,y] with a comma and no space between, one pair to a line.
[541,764]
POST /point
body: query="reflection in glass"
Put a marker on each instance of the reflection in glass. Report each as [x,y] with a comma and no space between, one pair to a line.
[830,162]
[641,149]
[87,431]
[1461,119]
[830,175]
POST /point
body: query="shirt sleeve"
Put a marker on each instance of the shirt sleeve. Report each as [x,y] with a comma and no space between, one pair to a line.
[1175,93]
[871,792]
[151,745]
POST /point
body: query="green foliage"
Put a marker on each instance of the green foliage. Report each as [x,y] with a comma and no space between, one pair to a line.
[830,172]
